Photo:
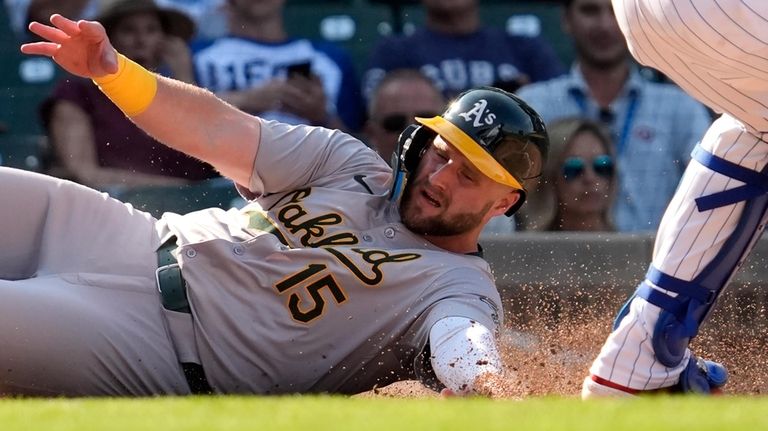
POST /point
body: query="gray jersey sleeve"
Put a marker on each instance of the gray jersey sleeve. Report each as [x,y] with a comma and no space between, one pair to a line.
[291,157]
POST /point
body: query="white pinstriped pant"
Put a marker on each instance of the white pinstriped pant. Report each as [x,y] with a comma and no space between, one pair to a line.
[686,242]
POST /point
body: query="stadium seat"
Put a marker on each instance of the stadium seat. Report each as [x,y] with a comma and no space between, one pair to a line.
[156,200]
[7,36]
[19,108]
[29,152]
[25,81]
[353,26]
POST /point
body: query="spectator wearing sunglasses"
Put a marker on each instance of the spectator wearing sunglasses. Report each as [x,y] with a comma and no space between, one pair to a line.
[653,126]
[576,190]
[402,95]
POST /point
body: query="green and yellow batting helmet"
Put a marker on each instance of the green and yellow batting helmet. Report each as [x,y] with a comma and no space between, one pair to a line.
[495,130]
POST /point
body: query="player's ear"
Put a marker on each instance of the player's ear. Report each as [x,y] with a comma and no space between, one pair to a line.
[506,202]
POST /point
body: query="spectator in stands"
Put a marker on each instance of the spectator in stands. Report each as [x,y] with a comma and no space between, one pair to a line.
[458,52]
[402,95]
[209,15]
[654,126]
[261,69]
[94,142]
[577,186]
[22,12]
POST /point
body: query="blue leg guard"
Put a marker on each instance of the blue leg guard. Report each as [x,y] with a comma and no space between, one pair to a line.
[682,315]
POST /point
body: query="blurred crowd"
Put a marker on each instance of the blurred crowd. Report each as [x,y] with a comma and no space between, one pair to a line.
[620,134]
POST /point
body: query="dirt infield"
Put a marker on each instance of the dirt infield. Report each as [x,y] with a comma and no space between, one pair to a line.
[549,342]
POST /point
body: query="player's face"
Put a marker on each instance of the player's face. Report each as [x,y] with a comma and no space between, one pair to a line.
[395,106]
[596,34]
[140,37]
[584,186]
[448,196]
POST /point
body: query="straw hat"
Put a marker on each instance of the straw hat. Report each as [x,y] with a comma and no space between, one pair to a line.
[174,22]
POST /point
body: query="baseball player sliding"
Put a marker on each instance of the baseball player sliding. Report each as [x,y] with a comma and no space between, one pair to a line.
[327,281]
[716,50]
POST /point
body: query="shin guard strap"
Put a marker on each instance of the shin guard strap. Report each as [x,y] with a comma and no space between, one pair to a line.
[755,183]
[680,316]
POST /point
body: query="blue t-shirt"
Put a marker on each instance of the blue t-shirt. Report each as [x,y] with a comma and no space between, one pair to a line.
[234,63]
[459,62]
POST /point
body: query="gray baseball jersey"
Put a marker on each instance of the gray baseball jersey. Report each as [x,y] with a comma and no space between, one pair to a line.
[316,285]
[716,51]
[313,286]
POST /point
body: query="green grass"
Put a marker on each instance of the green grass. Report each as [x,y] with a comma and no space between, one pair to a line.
[317,413]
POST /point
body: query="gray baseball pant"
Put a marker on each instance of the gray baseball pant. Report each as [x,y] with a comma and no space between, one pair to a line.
[80,314]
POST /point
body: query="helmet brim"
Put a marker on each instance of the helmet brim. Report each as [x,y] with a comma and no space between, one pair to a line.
[480,158]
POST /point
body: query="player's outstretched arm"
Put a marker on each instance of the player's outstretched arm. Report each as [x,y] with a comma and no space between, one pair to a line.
[182,116]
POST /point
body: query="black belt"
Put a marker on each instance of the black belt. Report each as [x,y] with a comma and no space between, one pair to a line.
[170,283]
[173,295]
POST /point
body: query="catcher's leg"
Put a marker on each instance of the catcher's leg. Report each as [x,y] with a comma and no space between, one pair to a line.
[712,223]
[50,226]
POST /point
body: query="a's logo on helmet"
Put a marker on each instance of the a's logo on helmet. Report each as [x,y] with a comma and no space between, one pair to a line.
[479,114]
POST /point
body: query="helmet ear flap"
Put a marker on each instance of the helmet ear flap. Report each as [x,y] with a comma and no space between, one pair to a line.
[513,209]
[401,167]
[403,143]
[411,145]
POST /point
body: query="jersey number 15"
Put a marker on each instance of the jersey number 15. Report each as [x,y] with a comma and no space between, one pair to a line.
[306,313]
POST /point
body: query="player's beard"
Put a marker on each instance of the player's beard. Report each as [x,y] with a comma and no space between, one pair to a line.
[440,224]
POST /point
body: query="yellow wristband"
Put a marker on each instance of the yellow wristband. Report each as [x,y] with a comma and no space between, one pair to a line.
[132,88]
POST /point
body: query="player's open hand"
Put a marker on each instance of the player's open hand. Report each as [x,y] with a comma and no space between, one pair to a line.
[81,48]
